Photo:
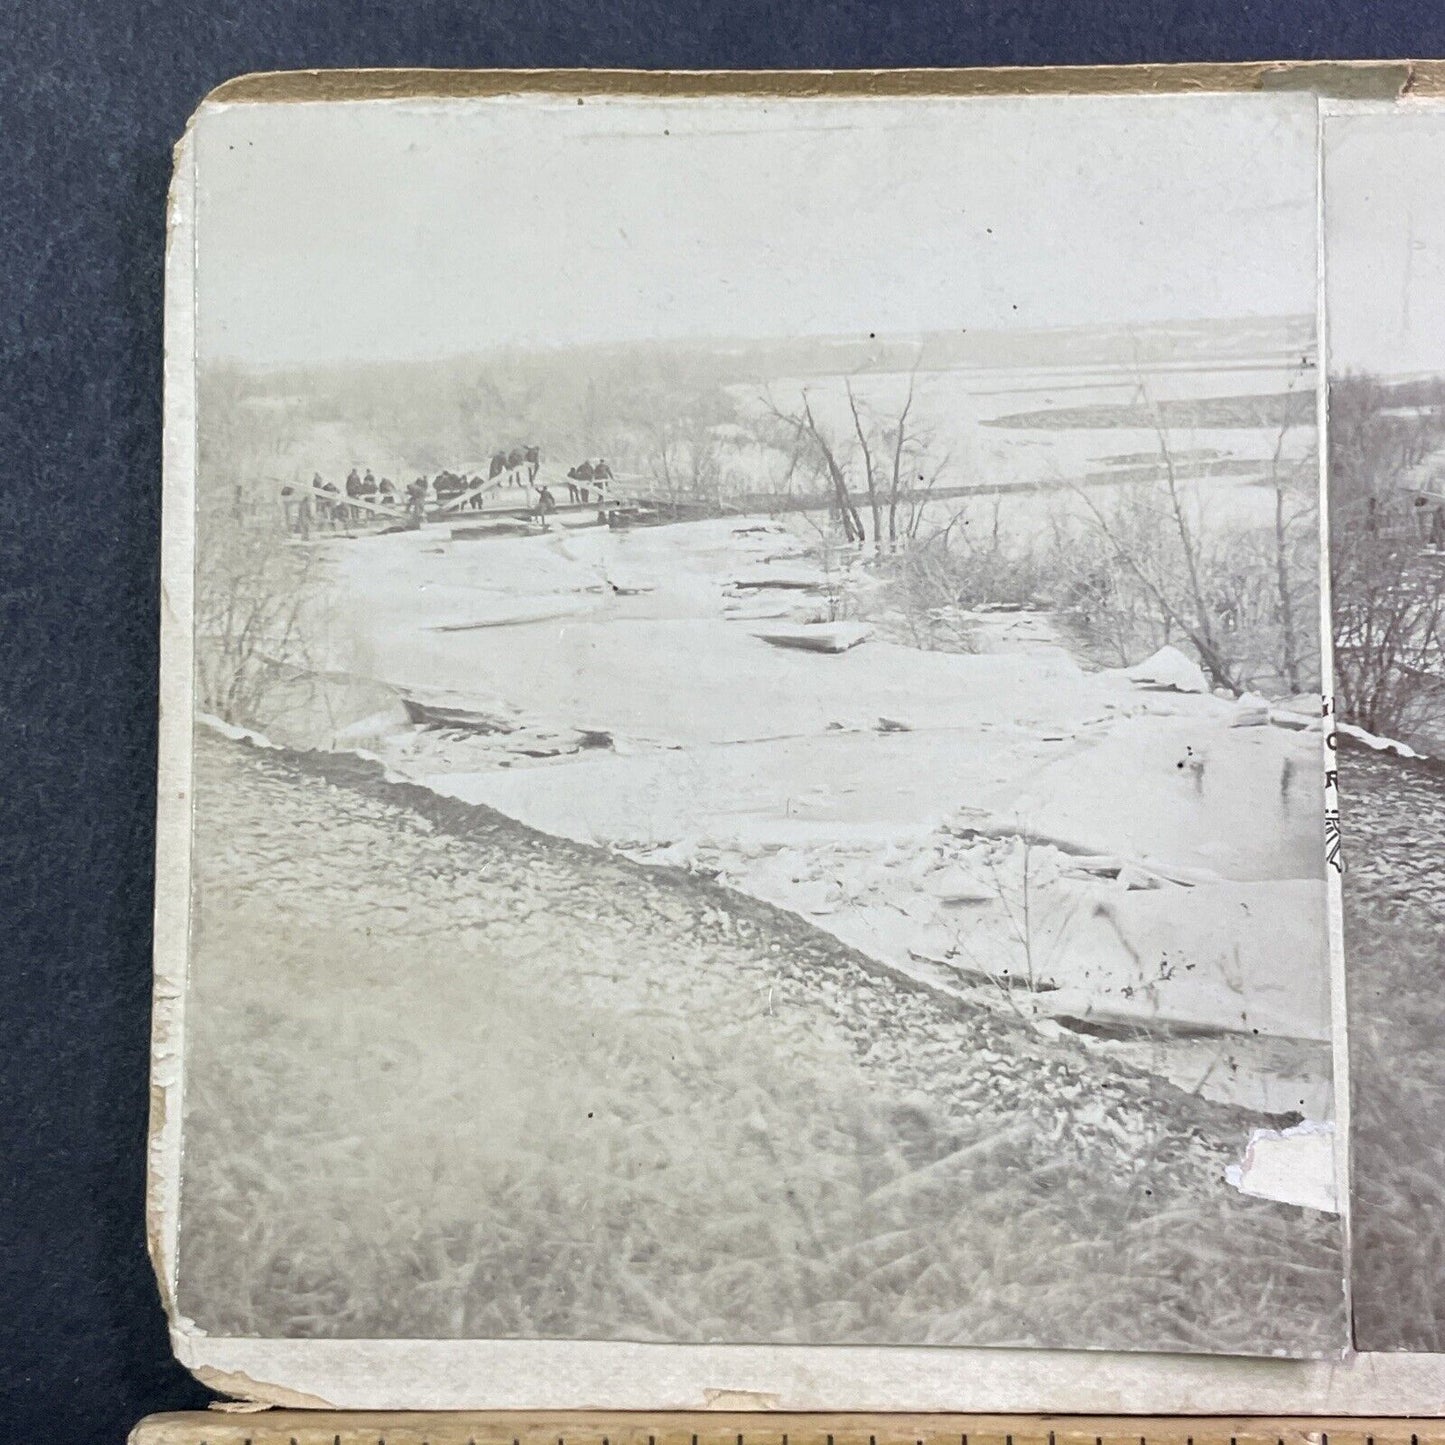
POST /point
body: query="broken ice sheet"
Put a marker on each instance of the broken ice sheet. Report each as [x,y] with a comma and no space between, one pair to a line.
[757,842]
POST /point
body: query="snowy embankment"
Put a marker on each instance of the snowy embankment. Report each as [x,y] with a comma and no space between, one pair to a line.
[1098,851]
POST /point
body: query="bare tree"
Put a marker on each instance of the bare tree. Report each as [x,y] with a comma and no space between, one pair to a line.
[916,464]
[900,444]
[1155,554]
[870,479]
[1389,623]
[813,442]
[1386,574]
[1157,568]
[889,456]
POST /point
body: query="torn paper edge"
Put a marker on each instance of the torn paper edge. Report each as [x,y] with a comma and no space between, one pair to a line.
[522,1374]
[1296,1166]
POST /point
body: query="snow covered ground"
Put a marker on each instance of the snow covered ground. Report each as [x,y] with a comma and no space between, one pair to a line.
[1092,850]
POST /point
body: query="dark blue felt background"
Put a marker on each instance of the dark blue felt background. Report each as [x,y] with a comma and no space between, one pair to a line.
[92,95]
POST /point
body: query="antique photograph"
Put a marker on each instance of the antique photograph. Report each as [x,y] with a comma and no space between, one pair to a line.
[1385,299]
[758,759]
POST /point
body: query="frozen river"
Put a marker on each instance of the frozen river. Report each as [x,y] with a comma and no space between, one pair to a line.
[1063,843]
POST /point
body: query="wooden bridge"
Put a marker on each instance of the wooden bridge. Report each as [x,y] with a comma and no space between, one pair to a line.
[310,508]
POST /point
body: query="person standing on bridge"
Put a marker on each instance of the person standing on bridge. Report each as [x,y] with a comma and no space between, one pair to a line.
[416,503]
[353,491]
[498,466]
[533,457]
[516,460]
[580,473]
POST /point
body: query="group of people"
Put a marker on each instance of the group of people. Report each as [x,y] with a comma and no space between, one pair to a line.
[582,480]
[584,472]
[363,494]
[510,465]
[360,496]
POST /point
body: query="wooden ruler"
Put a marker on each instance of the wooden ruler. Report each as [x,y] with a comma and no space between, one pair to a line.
[324,1427]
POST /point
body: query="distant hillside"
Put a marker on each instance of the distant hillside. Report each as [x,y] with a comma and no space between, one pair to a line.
[1191,343]
[724,362]
[632,402]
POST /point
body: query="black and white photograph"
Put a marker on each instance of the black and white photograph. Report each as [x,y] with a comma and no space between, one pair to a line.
[1385,286]
[756,749]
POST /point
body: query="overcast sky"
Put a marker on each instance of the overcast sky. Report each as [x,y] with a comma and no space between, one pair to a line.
[401,230]
[1385,240]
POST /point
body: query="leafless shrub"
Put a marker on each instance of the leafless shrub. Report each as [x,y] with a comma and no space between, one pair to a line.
[685,446]
[1149,565]
[252,638]
[251,582]
[970,563]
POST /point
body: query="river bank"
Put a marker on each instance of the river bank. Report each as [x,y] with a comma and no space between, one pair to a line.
[1393,828]
[449,1076]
